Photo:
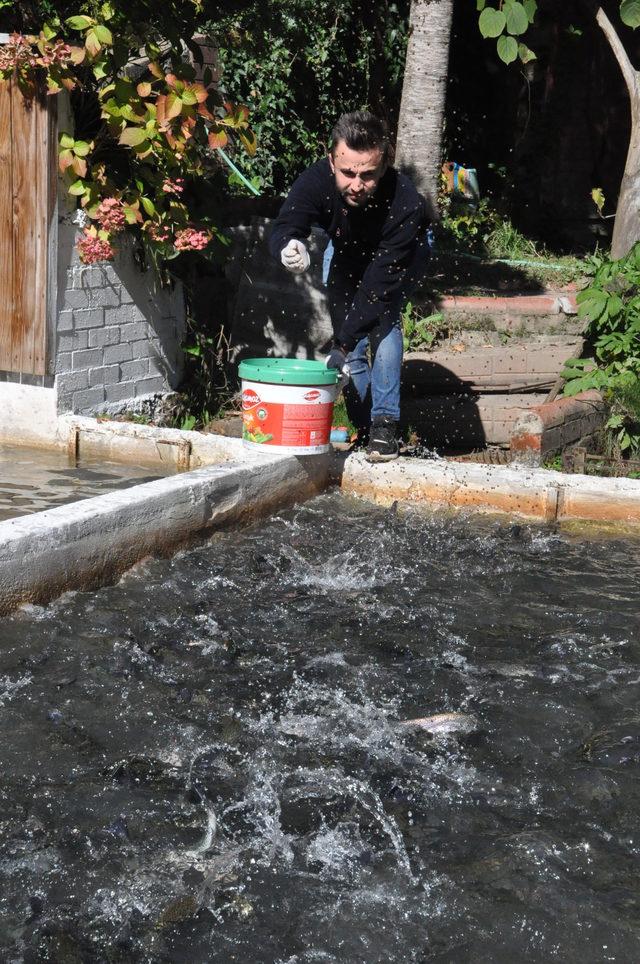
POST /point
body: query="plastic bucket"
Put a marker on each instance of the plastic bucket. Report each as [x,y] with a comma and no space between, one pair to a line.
[287,404]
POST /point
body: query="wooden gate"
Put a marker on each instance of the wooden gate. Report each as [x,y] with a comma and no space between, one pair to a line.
[27,209]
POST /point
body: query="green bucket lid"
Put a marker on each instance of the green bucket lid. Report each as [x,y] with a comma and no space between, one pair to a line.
[287,371]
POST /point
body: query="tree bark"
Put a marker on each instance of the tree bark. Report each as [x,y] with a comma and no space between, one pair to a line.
[626,227]
[419,143]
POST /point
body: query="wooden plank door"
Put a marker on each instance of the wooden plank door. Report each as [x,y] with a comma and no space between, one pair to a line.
[27,198]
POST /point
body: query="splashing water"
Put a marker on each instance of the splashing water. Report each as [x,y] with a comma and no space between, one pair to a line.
[205,761]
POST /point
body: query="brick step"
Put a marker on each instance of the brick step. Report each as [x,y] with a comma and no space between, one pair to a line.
[524,367]
[554,312]
[460,421]
[478,338]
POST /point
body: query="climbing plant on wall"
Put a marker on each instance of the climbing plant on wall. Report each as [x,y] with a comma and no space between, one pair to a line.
[154,127]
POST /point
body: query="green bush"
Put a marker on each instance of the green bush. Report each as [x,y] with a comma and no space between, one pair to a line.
[421,332]
[611,304]
[298,65]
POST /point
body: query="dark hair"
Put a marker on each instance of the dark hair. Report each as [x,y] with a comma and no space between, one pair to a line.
[361,131]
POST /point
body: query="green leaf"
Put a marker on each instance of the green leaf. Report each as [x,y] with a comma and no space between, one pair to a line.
[132,137]
[480,4]
[111,108]
[148,205]
[47,30]
[107,11]
[614,306]
[492,22]
[78,188]
[174,106]
[189,98]
[630,13]
[92,43]
[526,55]
[130,214]
[517,19]
[507,49]
[598,198]
[81,148]
[591,303]
[129,114]
[123,90]
[79,23]
[531,8]
[104,35]
[66,141]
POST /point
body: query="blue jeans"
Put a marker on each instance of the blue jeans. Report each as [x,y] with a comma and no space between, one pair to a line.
[374,390]
[375,384]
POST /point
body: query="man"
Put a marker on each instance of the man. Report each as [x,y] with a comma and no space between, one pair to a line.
[377,223]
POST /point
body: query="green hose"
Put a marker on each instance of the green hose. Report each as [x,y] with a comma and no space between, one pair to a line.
[527,264]
[235,170]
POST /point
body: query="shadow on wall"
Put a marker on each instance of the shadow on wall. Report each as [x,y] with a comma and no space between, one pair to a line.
[274,313]
[439,407]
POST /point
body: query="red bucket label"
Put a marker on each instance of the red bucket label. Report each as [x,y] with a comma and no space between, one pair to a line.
[288,417]
[249,399]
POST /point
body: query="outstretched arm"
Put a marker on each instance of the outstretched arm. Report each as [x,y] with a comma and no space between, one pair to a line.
[301,209]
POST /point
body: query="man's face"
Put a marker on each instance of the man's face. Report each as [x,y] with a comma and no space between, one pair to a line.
[357,173]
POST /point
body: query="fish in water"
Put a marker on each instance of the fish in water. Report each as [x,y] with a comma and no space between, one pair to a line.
[444,724]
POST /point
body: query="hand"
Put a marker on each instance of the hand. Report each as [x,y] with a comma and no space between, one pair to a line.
[337,359]
[295,257]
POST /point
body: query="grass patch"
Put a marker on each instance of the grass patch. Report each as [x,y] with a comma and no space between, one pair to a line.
[340,416]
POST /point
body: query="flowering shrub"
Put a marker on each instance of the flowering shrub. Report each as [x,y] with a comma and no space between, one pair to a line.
[159,130]
[110,216]
[191,240]
[92,248]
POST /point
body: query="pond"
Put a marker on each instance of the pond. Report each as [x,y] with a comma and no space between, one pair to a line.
[207,762]
[32,480]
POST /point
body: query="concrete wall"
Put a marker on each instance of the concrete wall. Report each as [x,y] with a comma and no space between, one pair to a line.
[28,414]
[118,331]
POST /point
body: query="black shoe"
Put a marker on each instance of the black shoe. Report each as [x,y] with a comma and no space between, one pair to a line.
[383,444]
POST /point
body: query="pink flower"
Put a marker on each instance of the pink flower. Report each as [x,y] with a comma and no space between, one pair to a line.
[191,240]
[173,187]
[92,249]
[17,53]
[158,232]
[110,215]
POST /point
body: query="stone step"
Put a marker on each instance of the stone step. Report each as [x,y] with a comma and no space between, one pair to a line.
[523,367]
[463,421]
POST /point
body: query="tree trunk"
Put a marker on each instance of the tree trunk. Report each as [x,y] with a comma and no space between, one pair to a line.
[419,143]
[626,227]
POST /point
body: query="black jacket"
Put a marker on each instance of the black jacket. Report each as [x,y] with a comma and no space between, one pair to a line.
[374,244]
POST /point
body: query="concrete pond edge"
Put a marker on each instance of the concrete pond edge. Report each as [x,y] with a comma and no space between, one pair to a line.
[90,543]
[218,482]
[532,493]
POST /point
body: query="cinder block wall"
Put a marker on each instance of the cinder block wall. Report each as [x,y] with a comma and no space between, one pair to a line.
[118,331]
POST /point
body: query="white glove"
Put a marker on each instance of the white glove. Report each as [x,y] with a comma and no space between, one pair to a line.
[295,257]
